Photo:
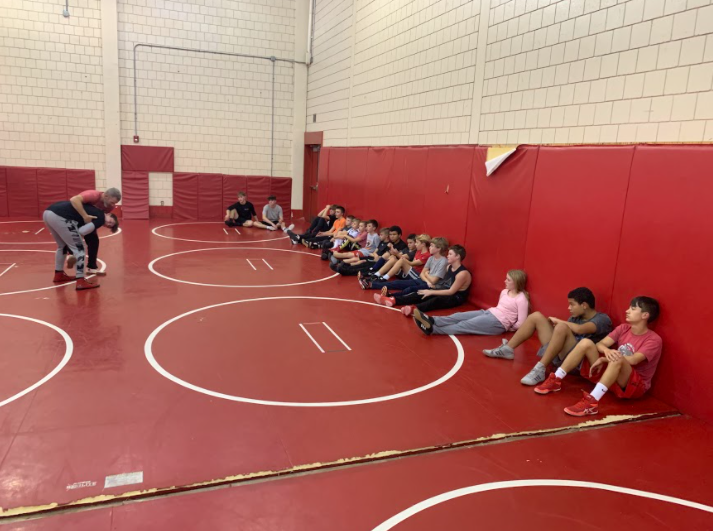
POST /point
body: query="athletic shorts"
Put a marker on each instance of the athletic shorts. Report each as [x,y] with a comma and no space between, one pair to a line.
[276,222]
[557,361]
[635,387]
[240,221]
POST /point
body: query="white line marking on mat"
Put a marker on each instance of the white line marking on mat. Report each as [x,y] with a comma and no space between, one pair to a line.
[251,264]
[268,265]
[335,335]
[7,269]
[69,348]
[36,233]
[499,485]
[236,230]
[225,231]
[148,352]
[310,336]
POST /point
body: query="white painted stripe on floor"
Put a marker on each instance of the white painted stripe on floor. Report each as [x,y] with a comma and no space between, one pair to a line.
[251,264]
[236,230]
[36,233]
[7,269]
[268,265]
[225,231]
[335,335]
[119,480]
[310,336]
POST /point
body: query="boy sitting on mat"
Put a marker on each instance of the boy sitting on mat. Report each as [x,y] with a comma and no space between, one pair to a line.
[240,214]
[272,216]
[321,237]
[626,371]
[354,265]
[368,246]
[557,337]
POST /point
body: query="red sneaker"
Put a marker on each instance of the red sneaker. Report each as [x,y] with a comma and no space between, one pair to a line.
[61,276]
[407,310]
[587,406]
[551,385]
[384,301]
[83,283]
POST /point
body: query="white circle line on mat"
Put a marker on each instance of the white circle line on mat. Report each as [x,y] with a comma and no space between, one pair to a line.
[500,485]
[153,269]
[55,286]
[49,242]
[65,359]
[148,352]
[209,241]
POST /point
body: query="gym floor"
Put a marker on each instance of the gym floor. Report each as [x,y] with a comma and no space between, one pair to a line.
[225,379]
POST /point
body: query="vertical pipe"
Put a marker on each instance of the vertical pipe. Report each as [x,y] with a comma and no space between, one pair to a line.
[136,100]
[272,128]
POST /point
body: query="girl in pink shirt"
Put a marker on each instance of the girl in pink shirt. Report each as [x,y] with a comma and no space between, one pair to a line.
[508,315]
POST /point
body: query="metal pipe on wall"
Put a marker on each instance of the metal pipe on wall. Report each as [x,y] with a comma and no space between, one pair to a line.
[272,59]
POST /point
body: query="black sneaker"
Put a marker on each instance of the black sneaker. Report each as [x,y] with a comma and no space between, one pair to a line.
[423,321]
[365,283]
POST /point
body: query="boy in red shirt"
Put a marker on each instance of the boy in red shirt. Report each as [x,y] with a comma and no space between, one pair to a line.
[627,371]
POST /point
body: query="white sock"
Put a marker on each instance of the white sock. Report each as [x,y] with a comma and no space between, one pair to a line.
[599,391]
[386,277]
[560,373]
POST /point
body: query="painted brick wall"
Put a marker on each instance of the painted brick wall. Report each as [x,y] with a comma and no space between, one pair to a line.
[160,189]
[51,92]
[599,71]
[215,110]
[567,71]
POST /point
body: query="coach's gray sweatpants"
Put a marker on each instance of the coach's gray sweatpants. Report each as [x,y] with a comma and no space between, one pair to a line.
[481,322]
[65,232]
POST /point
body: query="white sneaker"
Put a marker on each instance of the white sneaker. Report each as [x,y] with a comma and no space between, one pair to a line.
[535,376]
[270,227]
[502,352]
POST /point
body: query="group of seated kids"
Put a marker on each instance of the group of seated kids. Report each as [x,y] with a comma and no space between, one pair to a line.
[424,274]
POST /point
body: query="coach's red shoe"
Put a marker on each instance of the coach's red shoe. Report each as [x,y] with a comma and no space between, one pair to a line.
[384,301]
[551,385]
[83,283]
[61,276]
[587,406]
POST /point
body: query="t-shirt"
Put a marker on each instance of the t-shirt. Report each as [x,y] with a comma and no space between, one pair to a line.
[400,245]
[437,266]
[353,232]
[246,211]
[94,198]
[64,209]
[600,320]
[649,344]
[372,242]
[383,247]
[330,221]
[421,256]
[273,214]
[511,311]
[411,255]
[338,224]
[360,238]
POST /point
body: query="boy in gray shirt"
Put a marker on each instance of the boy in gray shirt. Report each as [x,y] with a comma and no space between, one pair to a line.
[557,337]
[272,216]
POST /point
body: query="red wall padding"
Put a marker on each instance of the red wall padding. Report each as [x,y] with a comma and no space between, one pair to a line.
[185,196]
[498,214]
[78,181]
[232,184]
[210,197]
[147,158]
[51,186]
[258,190]
[3,192]
[355,176]
[338,177]
[282,189]
[575,221]
[665,252]
[135,194]
[409,181]
[379,165]
[22,192]
[448,175]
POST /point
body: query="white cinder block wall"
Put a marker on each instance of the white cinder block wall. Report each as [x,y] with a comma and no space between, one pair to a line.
[51,91]
[567,71]
[215,110]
